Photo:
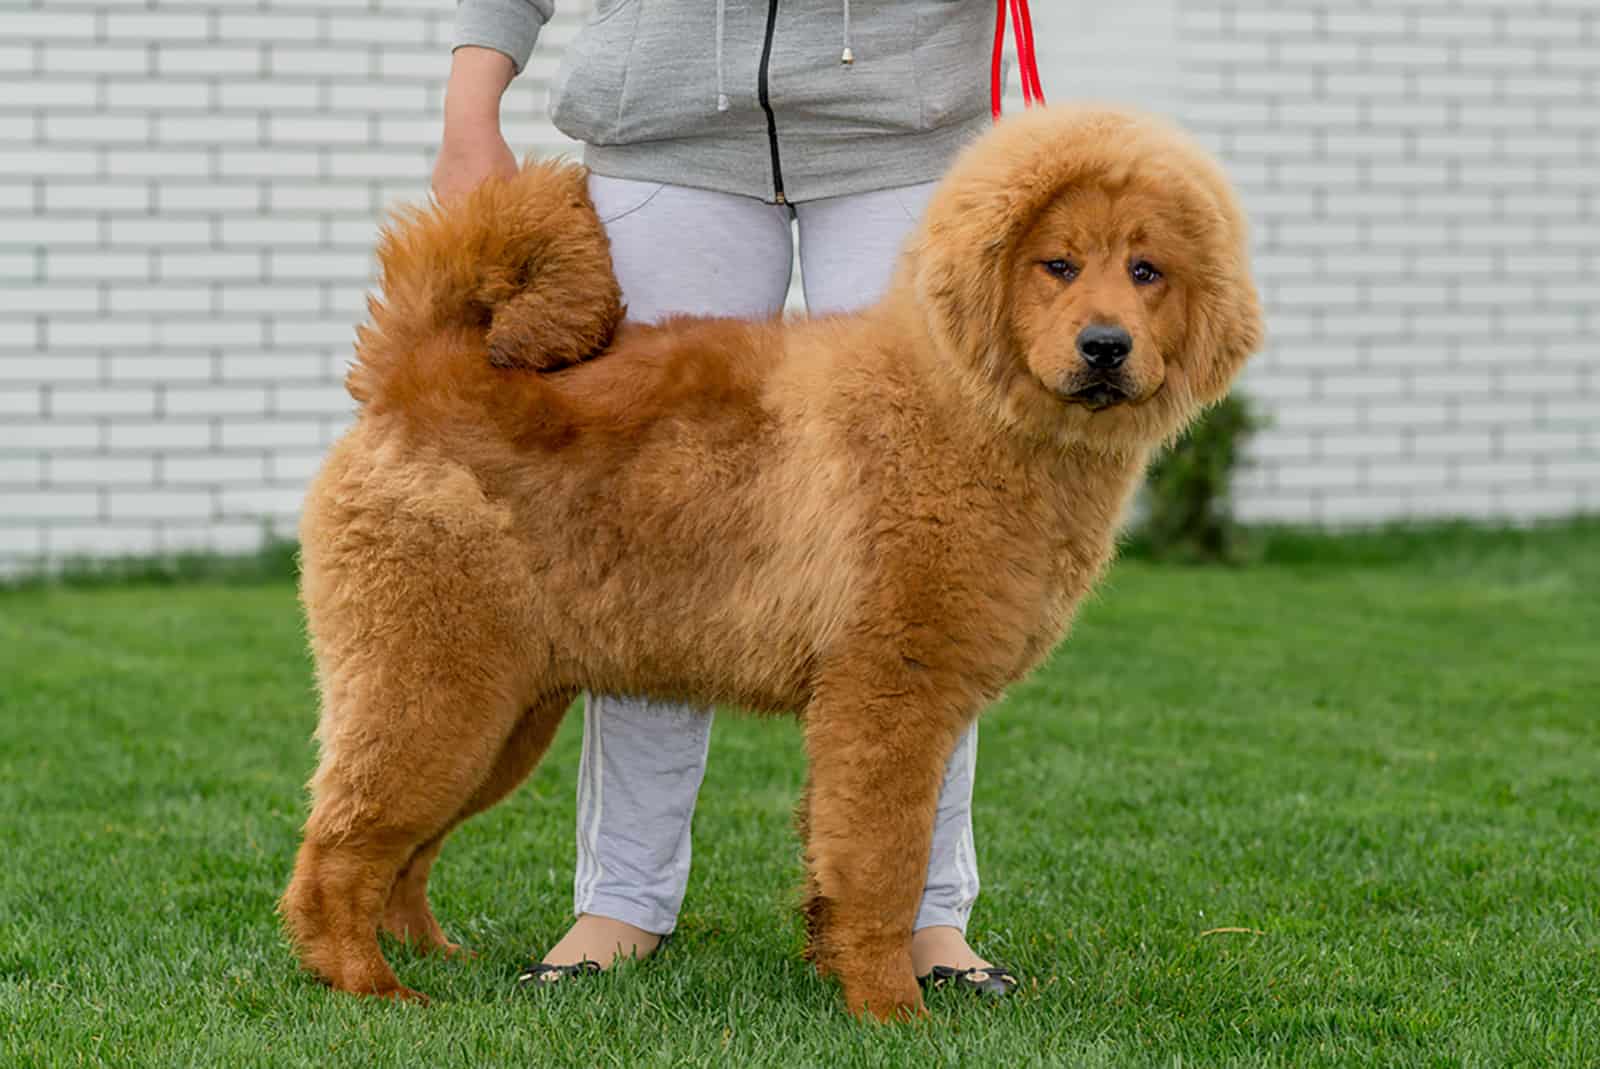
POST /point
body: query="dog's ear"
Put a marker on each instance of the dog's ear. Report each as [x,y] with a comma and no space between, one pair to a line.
[1225,329]
[1225,324]
[961,263]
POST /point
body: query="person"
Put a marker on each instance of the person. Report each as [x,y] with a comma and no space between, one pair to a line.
[708,129]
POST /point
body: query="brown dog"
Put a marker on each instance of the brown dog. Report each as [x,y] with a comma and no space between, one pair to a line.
[878,521]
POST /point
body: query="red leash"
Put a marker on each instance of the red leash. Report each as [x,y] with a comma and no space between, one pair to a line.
[1027,60]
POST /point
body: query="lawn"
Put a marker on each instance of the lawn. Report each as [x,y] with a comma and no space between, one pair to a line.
[1339,807]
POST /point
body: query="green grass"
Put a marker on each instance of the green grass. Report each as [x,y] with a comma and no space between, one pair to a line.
[1380,752]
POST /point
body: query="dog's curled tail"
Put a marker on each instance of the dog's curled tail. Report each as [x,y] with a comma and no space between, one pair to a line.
[515,274]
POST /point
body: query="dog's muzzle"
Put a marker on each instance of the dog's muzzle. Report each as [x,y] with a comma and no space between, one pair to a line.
[1096,391]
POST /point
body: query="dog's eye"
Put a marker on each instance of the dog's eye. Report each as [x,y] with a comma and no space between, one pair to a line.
[1144,272]
[1062,269]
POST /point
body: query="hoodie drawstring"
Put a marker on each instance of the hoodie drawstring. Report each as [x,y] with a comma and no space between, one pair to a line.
[847,57]
[722,18]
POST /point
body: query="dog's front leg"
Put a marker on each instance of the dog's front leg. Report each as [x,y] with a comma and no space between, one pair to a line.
[878,751]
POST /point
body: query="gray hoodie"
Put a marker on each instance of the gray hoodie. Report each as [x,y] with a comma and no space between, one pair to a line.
[785,100]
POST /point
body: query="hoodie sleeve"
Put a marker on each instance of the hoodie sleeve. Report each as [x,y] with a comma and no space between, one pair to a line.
[508,26]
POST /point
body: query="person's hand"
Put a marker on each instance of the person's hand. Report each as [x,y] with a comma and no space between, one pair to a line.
[473,148]
[467,157]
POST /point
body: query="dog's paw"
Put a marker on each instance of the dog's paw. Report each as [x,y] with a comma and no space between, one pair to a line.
[885,1003]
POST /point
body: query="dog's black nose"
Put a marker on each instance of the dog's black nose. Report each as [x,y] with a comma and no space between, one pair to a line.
[1104,348]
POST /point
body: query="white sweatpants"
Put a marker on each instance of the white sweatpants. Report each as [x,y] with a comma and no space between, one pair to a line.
[693,251]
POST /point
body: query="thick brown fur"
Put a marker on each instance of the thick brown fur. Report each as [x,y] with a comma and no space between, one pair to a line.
[877,521]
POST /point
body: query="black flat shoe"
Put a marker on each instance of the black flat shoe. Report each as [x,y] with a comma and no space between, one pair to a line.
[541,973]
[996,981]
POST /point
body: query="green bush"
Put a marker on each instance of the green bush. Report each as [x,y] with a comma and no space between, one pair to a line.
[1188,503]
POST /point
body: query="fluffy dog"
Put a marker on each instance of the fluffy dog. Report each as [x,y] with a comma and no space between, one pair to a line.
[877,521]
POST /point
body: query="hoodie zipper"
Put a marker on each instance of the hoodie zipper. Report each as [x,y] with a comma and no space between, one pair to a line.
[766,103]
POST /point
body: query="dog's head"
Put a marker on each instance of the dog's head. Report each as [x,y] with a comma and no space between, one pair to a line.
[1087,269]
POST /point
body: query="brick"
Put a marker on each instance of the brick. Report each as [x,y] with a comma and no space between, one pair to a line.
[319,197]
[209,332]
[19,265]
[361,233]
[1431,502]
[262,500]
[95,59]
[157,163]
[24,436]
[294,467]
[163,504]
[302,332]
[42,93]
[180,266]
[1354,446]
[277,297]
[287,61]
[1454,24]
[160,231]
[63,265]
[96,196]
[227,60]
[136,95]
[271,230]
[99,332]
[1496,472]
[219,536]
[240,162]
[101,540]
[28,300]
[125,298]
[100,469]
[1420,412]
[159,367]
[207,130]
[1451,443]
[1364,24]
[1542,440]
[21,471]
[331,400]
[381,163]
[51,505]
[17,194]
[277,26]
[47,161]
[333,266]
[102,401]
[273,367]
[253,97]
[256,434]
[217,401]
[406,66]
[157,26]
[320,130]
[216,469]
[167,434]
[381,98]
[48,25]
[20,401]
[56,231]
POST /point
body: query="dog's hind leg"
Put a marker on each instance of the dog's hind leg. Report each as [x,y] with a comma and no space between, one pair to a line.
[878,751]
[408,915]
[408,741]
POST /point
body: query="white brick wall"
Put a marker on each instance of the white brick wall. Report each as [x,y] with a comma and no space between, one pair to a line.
[1422,177]
[189,192]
